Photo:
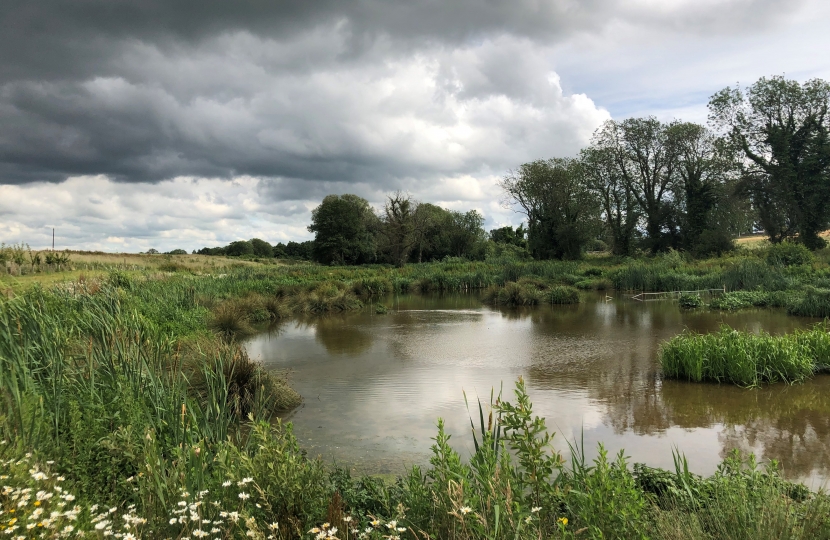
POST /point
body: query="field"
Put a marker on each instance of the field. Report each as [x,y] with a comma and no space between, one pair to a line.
[129,408]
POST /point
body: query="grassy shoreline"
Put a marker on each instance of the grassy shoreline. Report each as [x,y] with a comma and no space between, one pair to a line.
[132,388]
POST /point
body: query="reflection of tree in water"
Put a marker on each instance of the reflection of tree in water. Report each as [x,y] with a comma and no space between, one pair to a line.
[612,356]
[338,337]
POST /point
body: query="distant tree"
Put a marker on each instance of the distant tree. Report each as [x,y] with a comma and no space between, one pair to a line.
[562,211]
[781,128]
[177,252]
[705,181]
[620,210]
[344,228]
[239,248]
[506,235]
[152,251]
[261,248]
[400,227]
[432,233]
[644,153]
[466,234]
[300,250]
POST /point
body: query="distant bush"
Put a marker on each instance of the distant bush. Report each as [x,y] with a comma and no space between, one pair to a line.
[789,254]
[690,301]
[562,294]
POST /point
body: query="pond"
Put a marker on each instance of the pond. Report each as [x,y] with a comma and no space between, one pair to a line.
[374,385]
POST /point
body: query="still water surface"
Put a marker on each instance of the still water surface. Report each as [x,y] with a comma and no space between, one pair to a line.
[374,385]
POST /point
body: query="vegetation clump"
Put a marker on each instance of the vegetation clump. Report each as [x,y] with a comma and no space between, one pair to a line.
[746,359]
[690,301]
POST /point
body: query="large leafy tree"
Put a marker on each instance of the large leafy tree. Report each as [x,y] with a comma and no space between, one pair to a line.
[781,129]
[344,228]
[620,211]
[703,189]
[644,155]
[561,209]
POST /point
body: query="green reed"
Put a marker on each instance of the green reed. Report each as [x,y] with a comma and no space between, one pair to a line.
[745,358]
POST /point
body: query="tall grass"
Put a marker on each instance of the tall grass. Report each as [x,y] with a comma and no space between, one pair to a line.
[744,358]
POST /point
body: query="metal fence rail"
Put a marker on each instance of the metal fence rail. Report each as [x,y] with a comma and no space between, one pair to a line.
[671,295]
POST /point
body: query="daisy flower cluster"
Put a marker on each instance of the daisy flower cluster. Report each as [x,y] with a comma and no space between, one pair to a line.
[34,504]
[369,528]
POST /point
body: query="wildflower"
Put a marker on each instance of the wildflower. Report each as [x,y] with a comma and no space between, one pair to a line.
[465,510]
[172,521]
[401,529]
[128,536]
[314,530]
[226,483]
[68,529]
[563,520]
[392,524]
[347,519]
[244,496]
[375,522]
[199,533]
[528,519]
[274,526]
[535,509]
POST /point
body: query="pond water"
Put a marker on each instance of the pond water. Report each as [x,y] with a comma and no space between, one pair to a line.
[374,385]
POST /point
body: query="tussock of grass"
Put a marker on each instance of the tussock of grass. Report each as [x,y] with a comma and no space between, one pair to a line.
[744,358]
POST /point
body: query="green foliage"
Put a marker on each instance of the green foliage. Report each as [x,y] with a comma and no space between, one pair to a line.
[745,359]
[788,254]
[782,128]
[343,227]
[562,294]
[561,210]
[690,301]
[815,303]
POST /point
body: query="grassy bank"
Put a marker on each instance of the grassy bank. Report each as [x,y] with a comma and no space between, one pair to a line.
[169,474]
[747,359]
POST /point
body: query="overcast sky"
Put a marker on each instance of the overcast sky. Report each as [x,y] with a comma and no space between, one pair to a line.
[133,124]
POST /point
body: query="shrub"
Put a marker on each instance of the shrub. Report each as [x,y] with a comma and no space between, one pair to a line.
[562,294]
[690,301]
[788,254]
[815,303]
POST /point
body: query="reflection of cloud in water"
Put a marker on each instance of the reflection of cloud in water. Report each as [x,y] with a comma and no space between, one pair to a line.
[374,385]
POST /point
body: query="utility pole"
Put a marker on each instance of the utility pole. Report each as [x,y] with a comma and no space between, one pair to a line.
[53,239]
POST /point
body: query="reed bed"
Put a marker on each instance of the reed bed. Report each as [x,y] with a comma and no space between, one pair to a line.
[746,359]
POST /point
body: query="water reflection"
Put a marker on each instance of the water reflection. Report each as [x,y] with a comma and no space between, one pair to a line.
[375,384]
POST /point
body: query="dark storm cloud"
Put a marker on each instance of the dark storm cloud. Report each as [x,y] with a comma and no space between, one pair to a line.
[149,90]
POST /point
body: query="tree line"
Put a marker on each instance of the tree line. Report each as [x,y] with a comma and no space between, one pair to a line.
[347,230]
[763,162]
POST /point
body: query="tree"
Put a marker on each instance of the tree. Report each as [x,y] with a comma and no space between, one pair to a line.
[262,248]
[344,227]
[620,211]
[432,234]
[506,235]
[399,227]
[702,190]
[466,234]
[239,248]
[561,209]
[781,129]
[645,155]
